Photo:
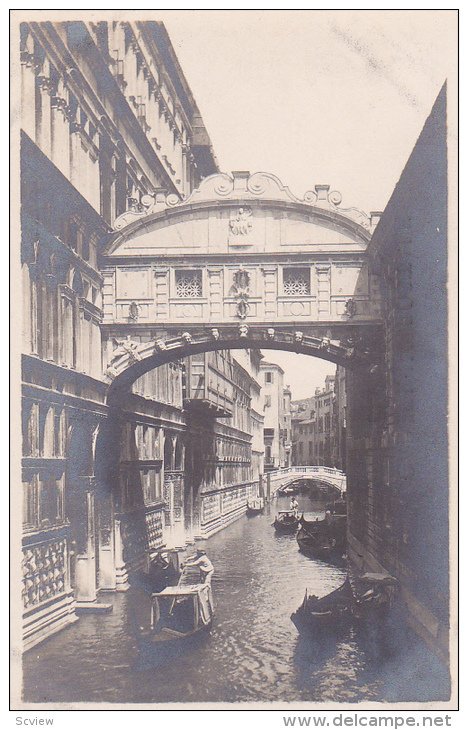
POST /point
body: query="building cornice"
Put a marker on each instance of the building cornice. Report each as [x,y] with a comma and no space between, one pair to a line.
[63,59]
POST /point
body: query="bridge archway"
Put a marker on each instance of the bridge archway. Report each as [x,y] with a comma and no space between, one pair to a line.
[242,264]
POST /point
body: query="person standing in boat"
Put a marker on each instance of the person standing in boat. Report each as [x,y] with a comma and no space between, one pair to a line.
[203,562]
[294,505]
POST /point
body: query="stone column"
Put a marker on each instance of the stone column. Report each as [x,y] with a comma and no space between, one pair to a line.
[85,566]
[121,575]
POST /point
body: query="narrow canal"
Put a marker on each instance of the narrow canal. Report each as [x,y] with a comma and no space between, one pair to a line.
[253,654]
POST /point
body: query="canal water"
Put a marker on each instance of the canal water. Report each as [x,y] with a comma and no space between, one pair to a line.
[253,654]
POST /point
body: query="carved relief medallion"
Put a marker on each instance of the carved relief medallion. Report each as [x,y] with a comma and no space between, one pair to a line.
[240,223]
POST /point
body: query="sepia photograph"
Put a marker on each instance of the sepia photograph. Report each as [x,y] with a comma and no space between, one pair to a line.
[234,264]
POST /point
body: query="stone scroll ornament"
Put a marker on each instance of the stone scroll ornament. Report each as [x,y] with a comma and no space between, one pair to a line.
[241,285]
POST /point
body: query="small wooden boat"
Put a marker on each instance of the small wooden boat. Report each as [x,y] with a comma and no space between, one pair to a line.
[180,616]
[375,594]
[327,614]
[365,604]
[255,506]
[318,544]
[323,538]
[286,521]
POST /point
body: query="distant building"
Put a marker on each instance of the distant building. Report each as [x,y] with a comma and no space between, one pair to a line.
[276,431]
[314,427]
[339,445]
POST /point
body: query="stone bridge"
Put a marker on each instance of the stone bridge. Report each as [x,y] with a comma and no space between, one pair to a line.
[282,477]
[240,263]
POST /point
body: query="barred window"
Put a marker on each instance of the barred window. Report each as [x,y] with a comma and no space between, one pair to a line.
[189,283]
[296,281]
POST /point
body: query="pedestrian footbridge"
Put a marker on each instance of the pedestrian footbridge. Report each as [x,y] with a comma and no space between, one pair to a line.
[282,477]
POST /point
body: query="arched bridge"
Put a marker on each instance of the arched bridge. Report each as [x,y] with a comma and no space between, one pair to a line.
[241,263]
[282,477]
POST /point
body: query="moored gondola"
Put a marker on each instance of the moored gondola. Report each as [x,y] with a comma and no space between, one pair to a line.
[327,614]
[318,545]
[286,521]
[323,538]
[364,603]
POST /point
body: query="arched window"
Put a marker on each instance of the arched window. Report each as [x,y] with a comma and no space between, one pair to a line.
[59,433]
[179,454]
[168,453]
[47,437]
[77,284]
[148,442]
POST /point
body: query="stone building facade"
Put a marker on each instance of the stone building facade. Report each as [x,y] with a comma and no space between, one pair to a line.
[107,119]
[397,415]
[314,427]
[277,429]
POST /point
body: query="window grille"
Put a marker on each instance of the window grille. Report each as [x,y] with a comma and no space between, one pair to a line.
[296,282]
[188,284]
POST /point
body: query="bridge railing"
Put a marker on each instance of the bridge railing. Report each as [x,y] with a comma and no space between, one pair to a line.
[308,470]
[334,477]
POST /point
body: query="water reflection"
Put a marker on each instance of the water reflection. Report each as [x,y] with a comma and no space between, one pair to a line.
[253,653]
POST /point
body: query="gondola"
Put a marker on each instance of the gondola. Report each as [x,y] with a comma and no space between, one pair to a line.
[255,506]
[318,545]
[363,604]
[375,594]
[323,538]
[180,616]
[327,614]
[286,521]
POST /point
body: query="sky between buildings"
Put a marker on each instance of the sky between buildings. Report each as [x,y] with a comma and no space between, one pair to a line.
[334,97]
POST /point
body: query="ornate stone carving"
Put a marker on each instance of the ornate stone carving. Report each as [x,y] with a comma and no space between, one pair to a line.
[296,282]
[44,572]
[126,347]
[241,287]
[242,185]
[215,334]
[270,334]
[61,104]
[298,336]
[111,372]
[187,337]
[160,346]
[189,283]
[240,223]
[45,83]
[350,308]
[243,330]
[133,311]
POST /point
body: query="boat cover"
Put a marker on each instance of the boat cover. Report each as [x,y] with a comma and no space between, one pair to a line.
[206,604]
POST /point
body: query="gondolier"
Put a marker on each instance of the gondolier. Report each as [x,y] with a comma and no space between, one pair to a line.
[203,562]
[294,505]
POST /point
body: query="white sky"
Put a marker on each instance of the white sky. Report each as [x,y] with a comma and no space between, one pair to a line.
[336,97]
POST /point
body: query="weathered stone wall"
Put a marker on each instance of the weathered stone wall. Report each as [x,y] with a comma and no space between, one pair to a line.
[397,443]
